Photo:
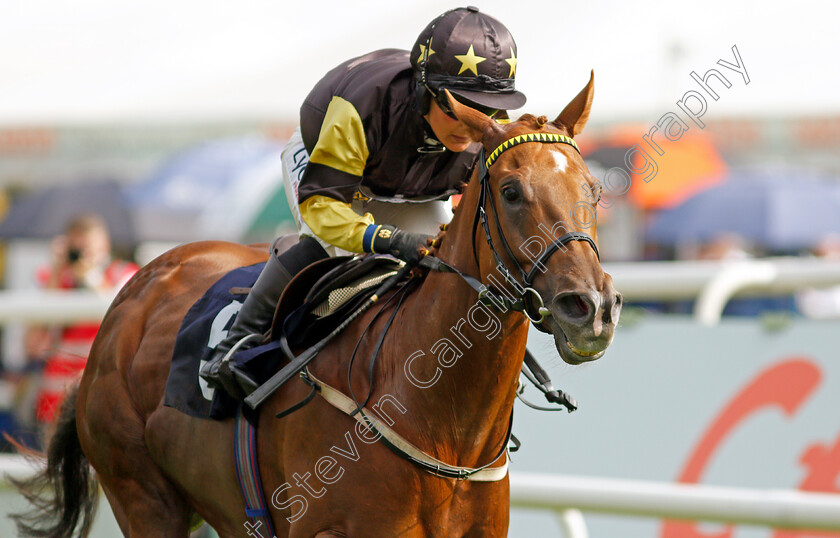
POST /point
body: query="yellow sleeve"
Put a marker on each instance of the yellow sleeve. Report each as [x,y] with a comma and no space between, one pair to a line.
[342,144]
[335,222]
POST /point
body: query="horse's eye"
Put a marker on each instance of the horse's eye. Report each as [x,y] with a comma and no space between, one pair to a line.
[510,194]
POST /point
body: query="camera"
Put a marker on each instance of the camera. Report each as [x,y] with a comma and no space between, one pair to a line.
[74,255]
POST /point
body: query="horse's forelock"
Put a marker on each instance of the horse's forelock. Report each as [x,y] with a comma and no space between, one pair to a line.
[528,123]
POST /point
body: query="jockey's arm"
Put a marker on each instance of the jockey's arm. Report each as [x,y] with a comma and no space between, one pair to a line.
[334,172]
[336,223]
[333,175]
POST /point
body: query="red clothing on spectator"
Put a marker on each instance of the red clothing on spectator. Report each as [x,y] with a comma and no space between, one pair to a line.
[68,360]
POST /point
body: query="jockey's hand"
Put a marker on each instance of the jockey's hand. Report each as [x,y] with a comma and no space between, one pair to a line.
[407,246]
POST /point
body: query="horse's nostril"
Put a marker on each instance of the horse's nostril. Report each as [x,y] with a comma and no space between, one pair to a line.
[574,306]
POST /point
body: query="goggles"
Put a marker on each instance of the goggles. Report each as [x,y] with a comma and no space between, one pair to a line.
[443,103]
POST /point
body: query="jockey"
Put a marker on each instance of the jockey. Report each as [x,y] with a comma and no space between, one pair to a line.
[377,153]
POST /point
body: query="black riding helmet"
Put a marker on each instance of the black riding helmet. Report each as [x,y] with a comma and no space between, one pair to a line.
[470,54]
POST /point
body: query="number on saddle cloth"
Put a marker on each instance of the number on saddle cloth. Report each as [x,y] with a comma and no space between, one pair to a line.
[203,327]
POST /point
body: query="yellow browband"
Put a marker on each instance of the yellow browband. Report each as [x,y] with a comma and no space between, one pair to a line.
[530,137]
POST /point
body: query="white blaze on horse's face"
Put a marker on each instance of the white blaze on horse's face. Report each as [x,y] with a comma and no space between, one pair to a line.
[561,161]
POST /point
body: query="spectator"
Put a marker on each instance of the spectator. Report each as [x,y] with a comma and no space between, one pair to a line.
[81,261]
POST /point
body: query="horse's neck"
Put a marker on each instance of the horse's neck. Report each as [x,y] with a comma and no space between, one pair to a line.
[473,351]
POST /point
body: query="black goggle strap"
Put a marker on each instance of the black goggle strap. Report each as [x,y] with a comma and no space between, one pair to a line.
[427,51]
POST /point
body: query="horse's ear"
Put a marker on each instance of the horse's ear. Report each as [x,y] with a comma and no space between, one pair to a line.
[481,127]
[576,114]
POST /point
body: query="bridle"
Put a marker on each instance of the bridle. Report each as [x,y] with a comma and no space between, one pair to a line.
[525,298]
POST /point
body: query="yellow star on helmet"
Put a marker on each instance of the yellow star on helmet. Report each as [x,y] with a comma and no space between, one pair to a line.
[423,52]
[512,62]
[469,61]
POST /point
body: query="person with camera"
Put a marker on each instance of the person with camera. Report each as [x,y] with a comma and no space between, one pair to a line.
[81,261]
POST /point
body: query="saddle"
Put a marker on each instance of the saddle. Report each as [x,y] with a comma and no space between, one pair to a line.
[315,302]
[322,295]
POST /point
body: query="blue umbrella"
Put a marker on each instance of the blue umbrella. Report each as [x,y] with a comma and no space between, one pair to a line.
[44,213]
[216,190]
[777,209]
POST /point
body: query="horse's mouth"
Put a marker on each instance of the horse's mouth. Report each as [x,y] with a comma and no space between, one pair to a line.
[572,354]
[585,355]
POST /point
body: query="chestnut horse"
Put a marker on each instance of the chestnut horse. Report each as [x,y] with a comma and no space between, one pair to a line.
[445,376]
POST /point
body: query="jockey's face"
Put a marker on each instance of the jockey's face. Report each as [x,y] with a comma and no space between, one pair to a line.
[454,134]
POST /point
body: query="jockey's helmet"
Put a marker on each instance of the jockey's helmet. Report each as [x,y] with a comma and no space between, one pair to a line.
[470,54]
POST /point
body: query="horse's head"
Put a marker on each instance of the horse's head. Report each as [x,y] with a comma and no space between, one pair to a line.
[540,203]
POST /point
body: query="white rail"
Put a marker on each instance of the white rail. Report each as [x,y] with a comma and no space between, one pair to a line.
[12,466]
[686,279]
[787,509]
[49,306]
[712,283]
[715,283]
[565,495]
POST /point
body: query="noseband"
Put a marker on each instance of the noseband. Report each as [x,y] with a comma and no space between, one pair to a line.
[527,300]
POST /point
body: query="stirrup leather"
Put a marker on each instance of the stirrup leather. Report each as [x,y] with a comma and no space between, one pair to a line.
[236,347]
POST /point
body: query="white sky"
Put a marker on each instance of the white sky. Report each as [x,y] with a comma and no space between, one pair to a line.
[103,61]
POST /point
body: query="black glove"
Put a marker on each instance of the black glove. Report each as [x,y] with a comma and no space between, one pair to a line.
[403,245]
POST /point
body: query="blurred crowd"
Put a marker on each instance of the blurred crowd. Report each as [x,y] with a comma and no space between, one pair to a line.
[55,356]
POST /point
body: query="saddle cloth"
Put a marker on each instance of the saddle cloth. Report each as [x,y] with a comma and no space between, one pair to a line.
[316,301]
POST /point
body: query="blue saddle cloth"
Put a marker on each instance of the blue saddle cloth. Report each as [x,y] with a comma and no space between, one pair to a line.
[208,320]
[204,326]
